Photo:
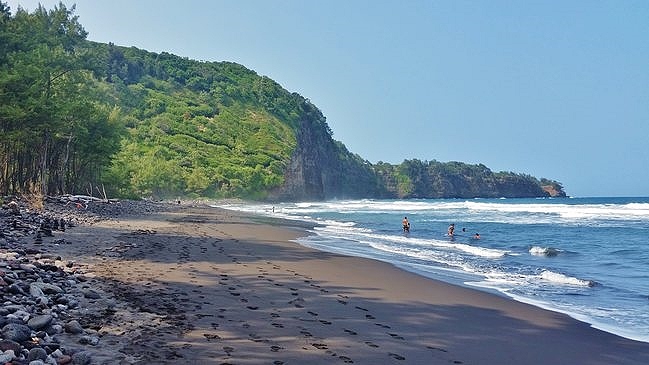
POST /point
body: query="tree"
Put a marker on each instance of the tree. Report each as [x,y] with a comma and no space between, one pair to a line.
[53,133]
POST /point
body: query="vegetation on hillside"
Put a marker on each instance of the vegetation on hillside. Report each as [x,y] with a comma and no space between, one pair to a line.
[77,115]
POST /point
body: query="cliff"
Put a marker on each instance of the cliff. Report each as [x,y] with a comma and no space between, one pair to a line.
[321,168]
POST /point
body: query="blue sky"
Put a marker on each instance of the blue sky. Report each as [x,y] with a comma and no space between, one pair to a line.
[556,89]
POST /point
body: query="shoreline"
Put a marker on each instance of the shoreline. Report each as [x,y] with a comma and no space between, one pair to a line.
[212,286]
[464,279]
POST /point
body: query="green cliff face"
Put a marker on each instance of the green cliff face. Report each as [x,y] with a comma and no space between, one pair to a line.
[143,124]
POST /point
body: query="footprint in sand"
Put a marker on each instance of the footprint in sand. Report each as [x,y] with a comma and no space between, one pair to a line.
[211,336]
[396,356]
[436,348]
[394,335]
[346,359]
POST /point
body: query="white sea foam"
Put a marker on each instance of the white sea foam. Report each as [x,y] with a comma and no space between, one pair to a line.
[568,211]
[368,235]
[544,251]
[571,211]
[558,278]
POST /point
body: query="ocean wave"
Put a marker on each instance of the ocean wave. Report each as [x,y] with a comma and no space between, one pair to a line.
[558,278]
[568,211]
[544,251]
[361,234]
[507,211]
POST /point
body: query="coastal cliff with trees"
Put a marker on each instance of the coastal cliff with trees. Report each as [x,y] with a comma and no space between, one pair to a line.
[78,116]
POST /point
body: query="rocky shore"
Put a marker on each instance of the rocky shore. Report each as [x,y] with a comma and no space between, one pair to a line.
[51,312]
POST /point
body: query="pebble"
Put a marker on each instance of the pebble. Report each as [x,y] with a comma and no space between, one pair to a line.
[39,292]
[73,327]
[7,356]
[36,353]
[40,321]
[16,332]
[81,358]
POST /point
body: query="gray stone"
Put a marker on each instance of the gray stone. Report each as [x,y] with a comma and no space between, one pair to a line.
[73,327]
[35,291]
[16,332]
[91,294]
[39,322]
[15,289]
[7,356]
[49,288]
[81,358]
[89,340]
[37,353]
[10,345]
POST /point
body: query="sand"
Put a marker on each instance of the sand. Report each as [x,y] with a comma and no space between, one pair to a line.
[201,285]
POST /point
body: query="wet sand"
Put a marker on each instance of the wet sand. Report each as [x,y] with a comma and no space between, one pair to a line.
[203,285]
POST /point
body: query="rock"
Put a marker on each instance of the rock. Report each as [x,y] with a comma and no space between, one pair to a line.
[35,291]
[39,322]
[64,359]
[37,353]
[89,340]
[48,288]
[16,289]
[16,332]
[7,356]
[91,294]
[73,327]
[10,345]
[81,358]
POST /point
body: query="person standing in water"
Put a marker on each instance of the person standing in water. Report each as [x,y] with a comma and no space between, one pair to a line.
[451,230]
[406,224]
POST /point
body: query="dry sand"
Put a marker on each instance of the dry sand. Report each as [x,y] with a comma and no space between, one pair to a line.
[200,285]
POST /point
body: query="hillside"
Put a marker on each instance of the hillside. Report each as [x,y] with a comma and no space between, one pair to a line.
[78,115]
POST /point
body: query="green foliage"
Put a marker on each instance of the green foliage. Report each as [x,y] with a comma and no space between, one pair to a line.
[55,135]
[433,179]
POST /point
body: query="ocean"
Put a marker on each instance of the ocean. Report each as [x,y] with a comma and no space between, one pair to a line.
[585,257]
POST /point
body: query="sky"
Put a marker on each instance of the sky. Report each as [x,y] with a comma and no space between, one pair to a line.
[554,89]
